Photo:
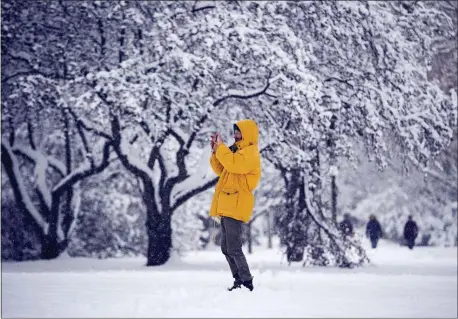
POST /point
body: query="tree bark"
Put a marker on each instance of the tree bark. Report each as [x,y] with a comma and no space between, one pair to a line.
[250,239]
[292,233]
[159,230]
[122,34]
[67,219]
[269,232]
[8,165]
[159,240]
[334,198]
[333,161]
[50,246]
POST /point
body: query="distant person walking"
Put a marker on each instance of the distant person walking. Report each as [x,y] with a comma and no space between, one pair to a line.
[346,226]
[373,231]
[410,232]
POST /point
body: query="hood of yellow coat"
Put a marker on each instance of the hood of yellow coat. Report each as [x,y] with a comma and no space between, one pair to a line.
[250,133]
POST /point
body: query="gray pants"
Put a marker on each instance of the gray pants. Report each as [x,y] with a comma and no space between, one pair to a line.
[231,246]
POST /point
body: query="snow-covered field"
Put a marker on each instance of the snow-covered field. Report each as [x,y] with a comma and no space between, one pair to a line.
[398,283]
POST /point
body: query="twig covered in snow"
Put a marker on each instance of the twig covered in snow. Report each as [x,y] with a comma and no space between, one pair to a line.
[83,172]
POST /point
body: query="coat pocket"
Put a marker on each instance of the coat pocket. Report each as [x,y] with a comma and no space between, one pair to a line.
[228,201]
[245,205]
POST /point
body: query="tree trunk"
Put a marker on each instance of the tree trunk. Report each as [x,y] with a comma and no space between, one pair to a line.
[158,227]
[315,182]
[8,165]
[334,198]
[269,232]
[291,224]
[67,219]
[333,161]
[250,240]
[122,39]
[140,41]
[295,253]
[159,239]
[50,246]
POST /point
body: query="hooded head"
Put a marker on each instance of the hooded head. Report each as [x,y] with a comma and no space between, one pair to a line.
[237,133]
[250,133]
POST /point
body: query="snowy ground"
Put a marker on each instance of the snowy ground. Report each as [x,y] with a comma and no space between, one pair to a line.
[398,283]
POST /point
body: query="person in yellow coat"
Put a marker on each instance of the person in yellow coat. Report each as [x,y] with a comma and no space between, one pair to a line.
[239,171]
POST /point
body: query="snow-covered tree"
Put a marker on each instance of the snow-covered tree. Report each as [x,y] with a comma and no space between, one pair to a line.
[59,157]
[371,64]
[153,107]
[151,80]
[36,55]
[443,66]
[20,241]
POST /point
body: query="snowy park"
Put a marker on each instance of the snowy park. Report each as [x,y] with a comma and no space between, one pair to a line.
[397,284]
[229,158]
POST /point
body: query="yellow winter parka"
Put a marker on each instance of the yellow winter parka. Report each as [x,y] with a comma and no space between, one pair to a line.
[239,174]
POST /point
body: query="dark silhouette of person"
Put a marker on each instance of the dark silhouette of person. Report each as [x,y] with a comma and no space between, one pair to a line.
[410,232]
[373,230]
[346,226]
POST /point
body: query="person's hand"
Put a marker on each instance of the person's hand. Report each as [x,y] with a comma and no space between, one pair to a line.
[218,141]
[213,141]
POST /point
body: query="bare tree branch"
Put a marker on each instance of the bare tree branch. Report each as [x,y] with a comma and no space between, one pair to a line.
[53,162]
[182,170]
[163,171]
[202,120]
[182,199]
[339,80]
[22,198]
[26,73]
[30,134]
[177,137]
[243,97]
[87,127]
[254,217]
[194,10]
[156,155]
[78,175]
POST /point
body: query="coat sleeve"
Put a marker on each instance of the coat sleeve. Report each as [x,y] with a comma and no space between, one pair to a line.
[216,165]
[242,162]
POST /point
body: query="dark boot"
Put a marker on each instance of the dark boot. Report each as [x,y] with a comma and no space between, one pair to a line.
[249,284]
[237,283]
